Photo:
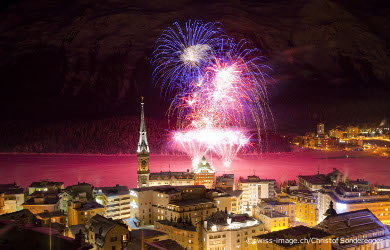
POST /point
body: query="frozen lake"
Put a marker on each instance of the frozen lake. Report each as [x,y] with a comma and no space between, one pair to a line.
[105,170]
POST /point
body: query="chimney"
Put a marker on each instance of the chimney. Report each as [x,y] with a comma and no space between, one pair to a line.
[229,220]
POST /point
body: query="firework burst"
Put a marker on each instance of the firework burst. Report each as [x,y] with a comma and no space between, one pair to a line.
[220,87]
[181,55]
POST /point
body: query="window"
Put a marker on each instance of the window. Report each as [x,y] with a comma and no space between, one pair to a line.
[113,248]
[113,239]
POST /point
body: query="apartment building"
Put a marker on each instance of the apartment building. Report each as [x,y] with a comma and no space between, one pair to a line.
[116,201]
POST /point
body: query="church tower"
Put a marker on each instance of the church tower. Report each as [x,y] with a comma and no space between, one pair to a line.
[143,153]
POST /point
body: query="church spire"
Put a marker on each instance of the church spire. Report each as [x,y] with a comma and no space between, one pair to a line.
[143,141]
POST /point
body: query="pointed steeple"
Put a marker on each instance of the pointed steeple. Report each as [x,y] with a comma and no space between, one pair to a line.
[143,141]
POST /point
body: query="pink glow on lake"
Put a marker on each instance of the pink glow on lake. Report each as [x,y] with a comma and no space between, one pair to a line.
[122,169]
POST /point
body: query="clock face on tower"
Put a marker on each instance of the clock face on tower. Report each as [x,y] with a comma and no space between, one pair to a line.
[143,165]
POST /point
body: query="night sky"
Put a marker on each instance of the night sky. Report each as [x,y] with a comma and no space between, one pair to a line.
[79,60]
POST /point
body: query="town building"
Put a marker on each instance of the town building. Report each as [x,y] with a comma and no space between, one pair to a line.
[181,231]
[228,231]
[171,178]
[116,201]
[285,207]
[80,212]
[272,219]
[13,196]
[254,189]
[316,182]
[306,206]
[204,174]
[320,129]
[40,201]
[347,200]
[359,229]
[165,202]
[227,200]
[352,131]
[48,218]
[82,192]
[226,181]
[45,186]
[294,238]
[107,234]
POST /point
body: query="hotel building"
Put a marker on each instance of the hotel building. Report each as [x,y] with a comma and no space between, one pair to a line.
[255,189]
[116,201]
[347,199]
[228,231]
[165,202]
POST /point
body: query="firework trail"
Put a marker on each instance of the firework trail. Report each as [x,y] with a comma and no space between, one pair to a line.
[181,55]
[220,86]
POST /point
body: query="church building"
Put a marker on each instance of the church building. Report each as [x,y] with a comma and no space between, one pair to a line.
[204,174]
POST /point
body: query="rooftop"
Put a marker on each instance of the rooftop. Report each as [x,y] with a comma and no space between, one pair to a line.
[47,214]
[179,225]
[352,223]
[45,183]
[89,205]
[273,214]
[102,225]
[156,188]
[12,188]
[317,179]
[146,233]
[46,200]
[190,202]
[255,179]
[299,232]
[114,191]
[171,175]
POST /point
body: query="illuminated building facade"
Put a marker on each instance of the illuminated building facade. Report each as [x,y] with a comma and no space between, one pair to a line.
[52,217]
[171,179]
[227,200]
[204,174]
[13,197]
[107,234]
[165,202]
[226,181]
[39,202]
[80,212]
[183,232]
[226,231]
[306,207]
[116,201]
[352,132]
[317,181]
[284,207]
[272,220]
[359,229]
[45,186]
[320,129]
[347,200]
[254,189]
